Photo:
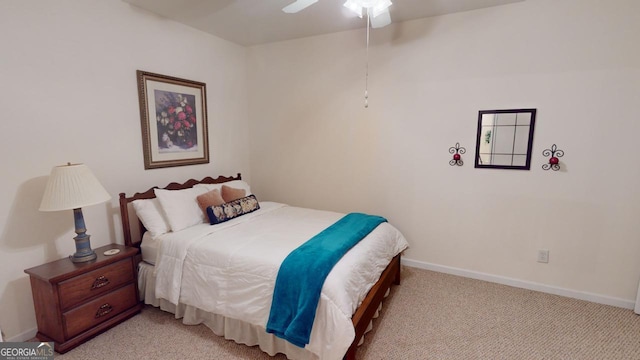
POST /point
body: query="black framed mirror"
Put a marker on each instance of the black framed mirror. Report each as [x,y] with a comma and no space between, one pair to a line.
[505,138]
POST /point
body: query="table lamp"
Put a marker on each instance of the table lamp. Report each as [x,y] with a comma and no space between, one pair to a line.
[74,186]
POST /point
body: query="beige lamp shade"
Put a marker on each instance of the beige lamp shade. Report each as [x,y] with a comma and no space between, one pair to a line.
[72,186]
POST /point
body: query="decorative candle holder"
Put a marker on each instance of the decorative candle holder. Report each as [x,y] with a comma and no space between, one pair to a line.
[456,151]
[554,162]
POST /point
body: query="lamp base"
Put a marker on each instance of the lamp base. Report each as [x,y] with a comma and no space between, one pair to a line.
[79,258]
[83,252]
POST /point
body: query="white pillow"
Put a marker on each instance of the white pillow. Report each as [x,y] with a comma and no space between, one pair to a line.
[209,187]
[236,184]
[149,211]
[181,207]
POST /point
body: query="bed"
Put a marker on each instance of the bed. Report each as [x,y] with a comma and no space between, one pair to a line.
[223,275]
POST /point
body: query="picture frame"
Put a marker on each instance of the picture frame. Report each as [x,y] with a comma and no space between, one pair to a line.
[173,117]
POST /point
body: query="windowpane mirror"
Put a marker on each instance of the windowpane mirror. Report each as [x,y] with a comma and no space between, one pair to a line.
[505,138]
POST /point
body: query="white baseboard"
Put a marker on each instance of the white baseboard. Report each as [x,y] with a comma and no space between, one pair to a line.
[24,336]
[529,285]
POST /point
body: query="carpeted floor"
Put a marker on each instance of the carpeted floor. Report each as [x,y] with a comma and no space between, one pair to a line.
[430,316]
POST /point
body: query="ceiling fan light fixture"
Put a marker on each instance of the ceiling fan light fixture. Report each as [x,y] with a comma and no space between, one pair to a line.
[372,7]
[382,20]
[380,7]
[354,6]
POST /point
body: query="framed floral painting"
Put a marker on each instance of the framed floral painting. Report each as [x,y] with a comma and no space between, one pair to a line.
[173,115]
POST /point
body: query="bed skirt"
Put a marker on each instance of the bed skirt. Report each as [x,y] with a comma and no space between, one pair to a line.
[231,329]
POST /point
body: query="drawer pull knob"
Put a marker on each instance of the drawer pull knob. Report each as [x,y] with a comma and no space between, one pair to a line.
[100,282]
[104,310]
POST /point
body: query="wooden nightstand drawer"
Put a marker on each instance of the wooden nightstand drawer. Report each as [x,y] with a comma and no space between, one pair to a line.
[99,310]
[94,283]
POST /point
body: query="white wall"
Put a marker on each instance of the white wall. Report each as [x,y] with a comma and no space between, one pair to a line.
[68,76]
[576,61]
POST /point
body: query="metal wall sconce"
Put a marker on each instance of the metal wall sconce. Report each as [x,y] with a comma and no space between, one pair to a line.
[456,151]
[554,162]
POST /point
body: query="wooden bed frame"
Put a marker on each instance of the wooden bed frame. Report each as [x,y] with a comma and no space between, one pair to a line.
[361,318]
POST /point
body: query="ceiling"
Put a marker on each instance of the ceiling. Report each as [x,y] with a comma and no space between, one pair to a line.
[253,22]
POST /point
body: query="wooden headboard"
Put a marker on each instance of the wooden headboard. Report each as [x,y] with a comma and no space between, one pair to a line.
[135,239]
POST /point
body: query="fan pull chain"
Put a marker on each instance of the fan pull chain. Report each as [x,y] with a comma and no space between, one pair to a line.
[366,78]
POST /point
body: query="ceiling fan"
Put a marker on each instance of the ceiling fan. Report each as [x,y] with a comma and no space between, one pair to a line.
[377,11]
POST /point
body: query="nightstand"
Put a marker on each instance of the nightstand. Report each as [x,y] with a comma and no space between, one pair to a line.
[76,301]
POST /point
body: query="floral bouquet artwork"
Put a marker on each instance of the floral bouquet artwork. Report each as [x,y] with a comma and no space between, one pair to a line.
[176,121]
[173,117]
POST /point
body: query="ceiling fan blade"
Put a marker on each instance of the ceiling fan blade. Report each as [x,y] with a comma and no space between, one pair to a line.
[298,5]
[382,20]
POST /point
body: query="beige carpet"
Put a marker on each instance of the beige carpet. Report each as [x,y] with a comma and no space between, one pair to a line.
[430,316]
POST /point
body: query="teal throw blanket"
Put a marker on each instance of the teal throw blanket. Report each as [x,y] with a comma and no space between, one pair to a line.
[303,272]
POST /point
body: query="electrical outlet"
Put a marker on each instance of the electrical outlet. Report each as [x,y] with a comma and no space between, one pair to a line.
[543,256]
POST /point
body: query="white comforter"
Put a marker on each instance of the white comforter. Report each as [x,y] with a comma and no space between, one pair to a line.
[230,269]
